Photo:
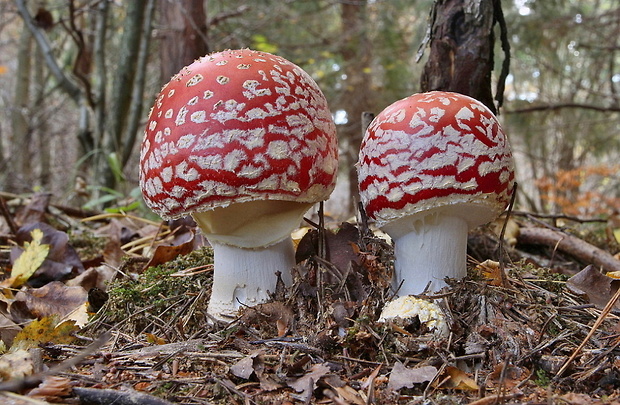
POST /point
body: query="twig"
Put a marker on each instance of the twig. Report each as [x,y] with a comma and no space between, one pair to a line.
[599,321]
[493,399]
[557,216]
[4,210]
[502,263]
[502,380]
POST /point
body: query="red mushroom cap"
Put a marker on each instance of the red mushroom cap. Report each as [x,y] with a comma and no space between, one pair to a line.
[237,126]
[435,150]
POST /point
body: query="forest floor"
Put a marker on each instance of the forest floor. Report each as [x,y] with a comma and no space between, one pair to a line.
[111,308]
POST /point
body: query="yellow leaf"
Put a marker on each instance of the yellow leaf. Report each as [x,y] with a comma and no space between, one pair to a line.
[151,338]
[44,330]
[617,234]
[3,69]
[30,260]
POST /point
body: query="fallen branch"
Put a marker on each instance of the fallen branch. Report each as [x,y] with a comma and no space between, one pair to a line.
[96,396]
[570,245]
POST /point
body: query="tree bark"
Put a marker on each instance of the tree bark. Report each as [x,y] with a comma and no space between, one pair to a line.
[121,99]
[21,127]
[99,51]
[137,97]
[126,72]
[356,54]
[42,134]
[461,48]
[183,35]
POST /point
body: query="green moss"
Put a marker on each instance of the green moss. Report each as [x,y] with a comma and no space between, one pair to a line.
[542,378]
[87,245]
[160,291]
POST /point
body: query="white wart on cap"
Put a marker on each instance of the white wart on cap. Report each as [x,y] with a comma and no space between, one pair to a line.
[245,142]
[431,167]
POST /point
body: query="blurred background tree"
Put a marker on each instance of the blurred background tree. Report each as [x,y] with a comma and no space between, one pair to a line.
[77,78]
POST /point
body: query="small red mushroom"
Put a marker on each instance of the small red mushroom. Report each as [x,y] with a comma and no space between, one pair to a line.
[431,167]
[243,141]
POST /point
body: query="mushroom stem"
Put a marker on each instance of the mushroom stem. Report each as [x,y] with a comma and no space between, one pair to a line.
[434,249]
[247,276]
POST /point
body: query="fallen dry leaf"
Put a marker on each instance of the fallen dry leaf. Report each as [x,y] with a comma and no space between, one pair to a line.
[29,261]
[511,234]
[574,398]
[508,379]
[271,313]
[164,254]
[350,395]
[339,247]
[61,262]
[491,271]
[46,330]
[613,227]
[8,329]
[16,364]
[52,389]
[404,377]
[248,365]
[308,382]
[53,299]
[35,210]
[597,286]
[79,316]
[154,339]
[454,378]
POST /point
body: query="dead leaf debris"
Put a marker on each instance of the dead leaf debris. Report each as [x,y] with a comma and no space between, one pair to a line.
[532,325]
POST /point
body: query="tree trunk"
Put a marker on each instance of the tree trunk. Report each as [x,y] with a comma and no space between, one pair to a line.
[121,99]
[183,35]
[42,134]
[99,51]
[356,54]
[461,48]
[135,112]
[20,159]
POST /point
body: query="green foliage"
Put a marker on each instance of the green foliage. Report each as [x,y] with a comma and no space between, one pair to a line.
[542,378]
[117,201]
[260,43]
[116,167]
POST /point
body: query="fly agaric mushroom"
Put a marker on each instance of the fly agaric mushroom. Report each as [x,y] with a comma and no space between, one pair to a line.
[431,167]
[244,142]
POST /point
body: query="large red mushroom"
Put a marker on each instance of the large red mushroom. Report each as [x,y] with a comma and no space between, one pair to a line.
[243,141]
[431,167]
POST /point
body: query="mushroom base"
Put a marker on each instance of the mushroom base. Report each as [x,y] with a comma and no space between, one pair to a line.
[247,276]
[434,248]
